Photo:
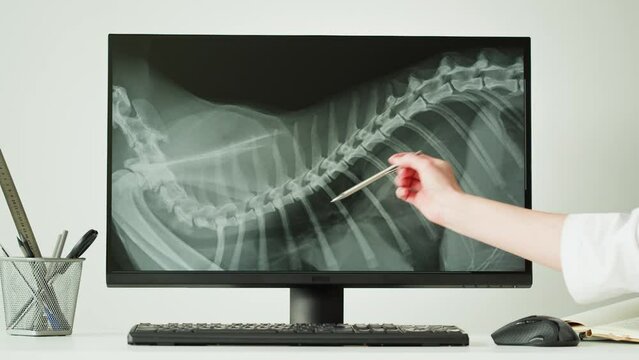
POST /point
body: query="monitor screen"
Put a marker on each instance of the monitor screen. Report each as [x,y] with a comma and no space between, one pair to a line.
[225,151]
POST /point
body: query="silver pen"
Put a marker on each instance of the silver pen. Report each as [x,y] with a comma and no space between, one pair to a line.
[365,183]
[59,245]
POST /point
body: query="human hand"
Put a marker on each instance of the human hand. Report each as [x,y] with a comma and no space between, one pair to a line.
[427,183]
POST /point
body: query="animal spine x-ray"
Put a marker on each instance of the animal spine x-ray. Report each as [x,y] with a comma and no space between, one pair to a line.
[206,180]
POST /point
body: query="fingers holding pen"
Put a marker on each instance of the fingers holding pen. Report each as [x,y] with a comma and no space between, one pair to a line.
[406,177]
[409,181]
[408,184]
[406,194]
[402,181]
[406,172]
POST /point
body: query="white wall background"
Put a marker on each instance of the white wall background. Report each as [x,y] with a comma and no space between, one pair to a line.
[53,102]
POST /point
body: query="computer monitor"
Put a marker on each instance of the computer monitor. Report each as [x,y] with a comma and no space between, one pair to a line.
[224,152]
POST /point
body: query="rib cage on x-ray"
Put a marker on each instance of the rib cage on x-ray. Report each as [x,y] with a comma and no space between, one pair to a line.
[210,186]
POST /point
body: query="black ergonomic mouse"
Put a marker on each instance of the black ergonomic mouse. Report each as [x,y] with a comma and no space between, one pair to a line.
[536,331]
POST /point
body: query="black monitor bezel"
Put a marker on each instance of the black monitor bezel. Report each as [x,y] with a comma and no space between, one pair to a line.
[345,279]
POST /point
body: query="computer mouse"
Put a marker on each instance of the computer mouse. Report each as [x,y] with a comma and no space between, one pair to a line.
[536,330]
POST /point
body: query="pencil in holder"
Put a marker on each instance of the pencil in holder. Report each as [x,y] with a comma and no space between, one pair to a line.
[40,294]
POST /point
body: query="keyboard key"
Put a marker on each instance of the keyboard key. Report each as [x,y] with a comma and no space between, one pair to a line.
[146,328]
[362,331]
[324,330]
[343,330]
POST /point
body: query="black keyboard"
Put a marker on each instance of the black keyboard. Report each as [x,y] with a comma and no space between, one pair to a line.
[297,334]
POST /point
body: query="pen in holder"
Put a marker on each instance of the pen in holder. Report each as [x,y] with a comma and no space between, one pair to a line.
[40,294]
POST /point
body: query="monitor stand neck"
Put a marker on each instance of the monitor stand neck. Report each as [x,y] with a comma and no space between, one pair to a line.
[317,304]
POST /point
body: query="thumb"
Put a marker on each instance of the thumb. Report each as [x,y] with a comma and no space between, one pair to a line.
[417,162]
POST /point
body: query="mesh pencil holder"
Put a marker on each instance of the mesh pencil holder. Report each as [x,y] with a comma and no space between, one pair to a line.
[40,295]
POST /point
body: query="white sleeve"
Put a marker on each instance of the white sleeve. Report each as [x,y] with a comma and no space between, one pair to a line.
[600,255]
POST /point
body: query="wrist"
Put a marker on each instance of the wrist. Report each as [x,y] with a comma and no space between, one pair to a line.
[452,204]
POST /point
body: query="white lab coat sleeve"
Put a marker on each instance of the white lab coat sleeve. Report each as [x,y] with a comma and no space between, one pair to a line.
[600,255]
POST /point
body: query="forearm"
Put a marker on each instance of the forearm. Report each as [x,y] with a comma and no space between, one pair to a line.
[533,235]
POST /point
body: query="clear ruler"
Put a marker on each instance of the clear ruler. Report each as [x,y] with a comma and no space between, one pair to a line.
[16,208]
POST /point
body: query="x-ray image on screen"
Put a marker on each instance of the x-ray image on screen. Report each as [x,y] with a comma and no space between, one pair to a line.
[226,151]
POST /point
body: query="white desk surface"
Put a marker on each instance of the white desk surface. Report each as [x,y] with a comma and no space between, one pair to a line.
[114,346]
